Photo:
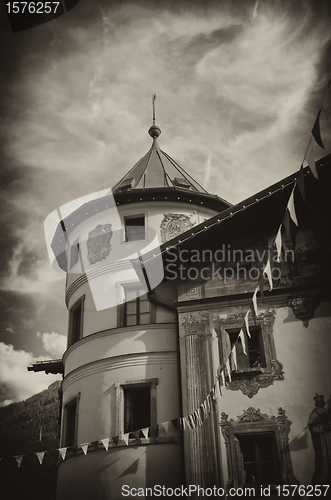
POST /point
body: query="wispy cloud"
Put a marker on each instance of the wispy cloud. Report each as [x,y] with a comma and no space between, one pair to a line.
[53,343]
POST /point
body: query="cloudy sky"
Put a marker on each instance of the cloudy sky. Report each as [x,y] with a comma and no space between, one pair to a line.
[238,83]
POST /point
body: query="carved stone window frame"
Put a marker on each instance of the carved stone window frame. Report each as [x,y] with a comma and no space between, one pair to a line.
[129,384]
[246,380]
[251,422]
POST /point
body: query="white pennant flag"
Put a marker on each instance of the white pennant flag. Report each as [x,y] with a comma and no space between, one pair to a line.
[267,271]
[278,242]
[223,377]
[243,343]
[84,448]
[19,459]
[291,207]
[218,389]
[105,443]
[163,429]
[63,452]
[40,456]
[234,356]
[126,438]
[229,370]
[246,324]
[310,159]
[254,300]
[145,431]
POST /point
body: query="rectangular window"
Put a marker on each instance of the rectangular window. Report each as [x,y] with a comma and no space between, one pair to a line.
[137,308]
[136,405]
[255,357]
[70,422]
[137,408]
[134,228]
[260,460]
[76,321]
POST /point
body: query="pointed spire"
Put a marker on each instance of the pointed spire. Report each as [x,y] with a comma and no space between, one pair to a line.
[154,131]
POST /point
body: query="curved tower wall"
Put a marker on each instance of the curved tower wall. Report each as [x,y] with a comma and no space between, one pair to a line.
[108,355]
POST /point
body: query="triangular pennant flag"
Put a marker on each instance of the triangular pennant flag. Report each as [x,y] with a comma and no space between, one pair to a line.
[192,421]
[278,242]
[317,132]
[234,356]
[95,445]
[40,456]
[204,409]
[175,423]
[19,459]
[210,402]
[301,183]
[84,447]
[170,428]
[310,159]
[213,395]
[291,208]
[126,438]
[105,443]
[229,370]
[115,439]
[199,415]
[223,377]
[145,431]
[163,429]
[219,386]
[243,343]
[246,324]
[186,423]
[254,300]
[267,271]
[286,223]
[63,452]
[261,285]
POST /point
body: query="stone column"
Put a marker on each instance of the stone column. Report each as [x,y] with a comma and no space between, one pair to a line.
[201,444]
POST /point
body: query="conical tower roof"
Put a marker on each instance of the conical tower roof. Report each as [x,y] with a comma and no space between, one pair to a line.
[157,170]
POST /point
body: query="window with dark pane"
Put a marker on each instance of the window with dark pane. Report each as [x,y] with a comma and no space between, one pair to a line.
[70,423]
[75,322]
[255,357]
[260,459]
[134,228]
[137,408]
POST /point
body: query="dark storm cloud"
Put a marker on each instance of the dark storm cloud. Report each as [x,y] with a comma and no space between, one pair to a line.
[16,309]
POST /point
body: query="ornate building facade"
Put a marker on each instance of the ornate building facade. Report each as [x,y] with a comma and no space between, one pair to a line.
[185,383]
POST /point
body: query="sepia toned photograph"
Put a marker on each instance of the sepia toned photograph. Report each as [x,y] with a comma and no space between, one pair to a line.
[165,249]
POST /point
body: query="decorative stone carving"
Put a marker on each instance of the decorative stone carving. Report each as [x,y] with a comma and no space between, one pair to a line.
[303,307]
[248,382]
[319,424]
[250,386]
[98,246]
[173,225]
[250,422]
[194,323]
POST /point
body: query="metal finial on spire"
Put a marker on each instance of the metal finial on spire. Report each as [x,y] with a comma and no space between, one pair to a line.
[153,104]
[154,130]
